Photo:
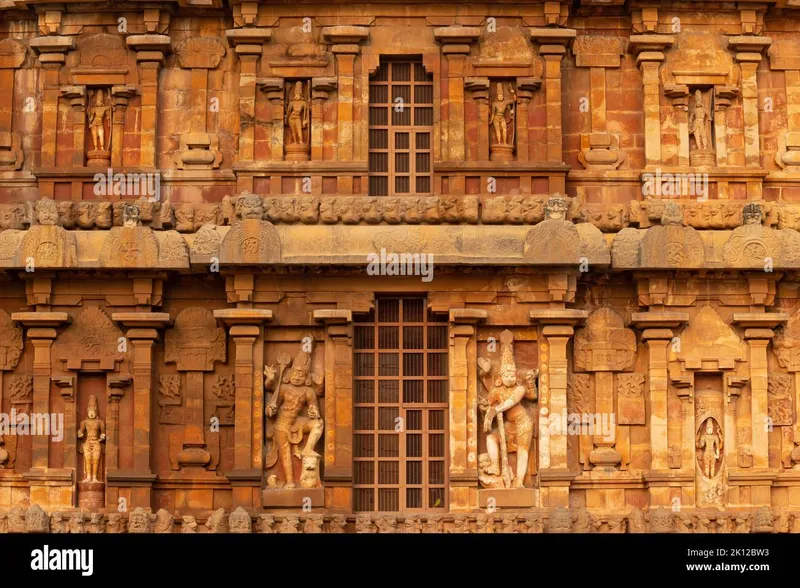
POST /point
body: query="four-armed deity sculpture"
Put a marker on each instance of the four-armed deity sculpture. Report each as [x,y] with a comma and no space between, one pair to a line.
[296,119]
[710,443]
[93,431]
[294,407]
[503,112]
[507,423]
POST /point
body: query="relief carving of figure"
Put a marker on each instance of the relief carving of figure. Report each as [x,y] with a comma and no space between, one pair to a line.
[503,115]
[710,442]
[293,391]
[507,423]
[98,113]
[93,430]
[700,123]
[297,113]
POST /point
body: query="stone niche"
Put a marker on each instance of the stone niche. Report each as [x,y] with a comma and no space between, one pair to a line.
[700,78]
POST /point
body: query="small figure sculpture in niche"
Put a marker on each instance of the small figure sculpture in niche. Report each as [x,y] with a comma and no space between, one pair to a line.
[503,115]
[98,114]
[700,130]
[710,442]
[297,114]
[292,392]
[507,423]
[698,122]
[94,431]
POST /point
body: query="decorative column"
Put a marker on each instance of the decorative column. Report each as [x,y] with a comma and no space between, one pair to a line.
[150,51]
[320,90]
[680,101]
[41,331]
[248,44]
[52,55]
[649,51]
[245,326]
[143,331]
[273,88]
[479,89]
[553,45]
[12,57]
[463,403]
[77,100]
[119,96]
[723,97]
[455,42]
[525,89]
[338,470]
[657,327]
[749,50]
[557,327]
[759,331]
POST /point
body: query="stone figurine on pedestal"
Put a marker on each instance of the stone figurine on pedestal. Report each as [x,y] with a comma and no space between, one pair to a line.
[99,114]
[502,124]
[703,154]
[93,433]
[507,423]
[297,120]
[296,413]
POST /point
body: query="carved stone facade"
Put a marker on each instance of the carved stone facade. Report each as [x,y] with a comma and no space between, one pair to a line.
[249,252]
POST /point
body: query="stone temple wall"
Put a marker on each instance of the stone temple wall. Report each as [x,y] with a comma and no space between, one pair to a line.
[190,208]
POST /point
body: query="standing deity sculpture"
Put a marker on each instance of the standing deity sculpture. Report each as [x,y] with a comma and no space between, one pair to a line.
[99,113]
[507,422]
[93,430]
[710,442]
[294,391]
[700,130]
[501,122]
[296,118]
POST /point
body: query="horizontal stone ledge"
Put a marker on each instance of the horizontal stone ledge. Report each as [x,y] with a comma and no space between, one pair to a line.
[302,167]
[499,166]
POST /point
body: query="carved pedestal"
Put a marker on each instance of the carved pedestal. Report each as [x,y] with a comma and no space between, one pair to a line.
[297,152]
[703,158]
[501,152]
[293,498]
[91,495]
[507,498]
[98,158]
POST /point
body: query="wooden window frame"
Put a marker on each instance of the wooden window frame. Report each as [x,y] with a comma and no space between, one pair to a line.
[412,129]
[426,407]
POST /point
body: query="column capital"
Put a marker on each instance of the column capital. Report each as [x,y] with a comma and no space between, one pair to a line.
[656,321]
[468,316]
[345,39]
[650,47]
[248,37]
[333,316]
[142,320]
[553,41]
[231,317]
[150,48]
[31,320]
[321,86]
[568,317]
[759,321]
[456,35]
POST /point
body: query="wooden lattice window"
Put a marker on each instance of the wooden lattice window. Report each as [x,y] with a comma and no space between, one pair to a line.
[400,129]
[400,408]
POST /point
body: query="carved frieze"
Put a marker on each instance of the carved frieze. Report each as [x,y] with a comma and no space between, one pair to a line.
[10,342]
[780,399]
[170,400]
[47,245]
[630,399]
